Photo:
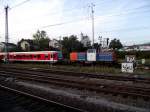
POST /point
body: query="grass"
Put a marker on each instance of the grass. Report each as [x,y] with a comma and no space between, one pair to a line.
[87,69]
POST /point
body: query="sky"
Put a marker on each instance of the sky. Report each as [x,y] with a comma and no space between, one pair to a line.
[127,20]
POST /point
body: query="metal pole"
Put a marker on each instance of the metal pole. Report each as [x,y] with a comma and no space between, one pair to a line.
[6,34]
[92,17]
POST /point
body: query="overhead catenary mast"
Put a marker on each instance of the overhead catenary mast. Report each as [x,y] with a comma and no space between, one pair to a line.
[92,17]
[6,34]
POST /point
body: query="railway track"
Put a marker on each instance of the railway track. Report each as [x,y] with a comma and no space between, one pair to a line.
[78,83]
[88,75]
[35,103]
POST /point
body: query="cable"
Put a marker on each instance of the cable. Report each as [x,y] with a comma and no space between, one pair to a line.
[72,21]
[128,29]
[17,5]
[67,22]
[125,12]
[70,10]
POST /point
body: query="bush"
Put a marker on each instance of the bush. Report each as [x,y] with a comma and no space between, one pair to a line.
[138,54]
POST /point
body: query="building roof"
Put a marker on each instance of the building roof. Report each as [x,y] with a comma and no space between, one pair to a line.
[9,44]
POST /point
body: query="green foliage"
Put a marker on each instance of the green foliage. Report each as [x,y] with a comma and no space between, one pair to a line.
[70,44]
[138,54]
[97,46]
[41,39]
[44,43]
[115,44]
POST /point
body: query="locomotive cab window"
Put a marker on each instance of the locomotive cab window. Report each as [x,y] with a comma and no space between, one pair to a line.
[91,51]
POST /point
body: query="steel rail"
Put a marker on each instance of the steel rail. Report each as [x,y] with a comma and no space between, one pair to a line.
[80,74]
[83,85]
[41,99]
[56,77]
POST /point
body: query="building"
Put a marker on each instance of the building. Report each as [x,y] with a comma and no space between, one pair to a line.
[144,48]
[139,47]
[25,45]
[28,45]
[10,47]
[54,43]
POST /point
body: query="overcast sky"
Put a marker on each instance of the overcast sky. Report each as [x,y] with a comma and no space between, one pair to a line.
[127,20]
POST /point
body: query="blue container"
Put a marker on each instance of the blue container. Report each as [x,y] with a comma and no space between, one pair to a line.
[103,57]
[81,56]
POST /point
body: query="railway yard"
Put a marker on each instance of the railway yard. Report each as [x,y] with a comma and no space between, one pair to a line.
[74,91]
[74,56]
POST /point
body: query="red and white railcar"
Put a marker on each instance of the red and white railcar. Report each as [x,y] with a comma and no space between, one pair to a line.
[36,56]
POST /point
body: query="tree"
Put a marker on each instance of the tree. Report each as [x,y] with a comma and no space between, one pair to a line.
[41,39]
[115,44]
[70,44]
[44,43]
[97,46]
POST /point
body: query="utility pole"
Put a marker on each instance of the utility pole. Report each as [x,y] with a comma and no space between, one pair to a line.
[92,17]
[6,34]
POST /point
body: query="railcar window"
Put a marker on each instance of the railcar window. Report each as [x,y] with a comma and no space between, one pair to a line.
[51,55]
[54,55]
[23,56]
[35,56]
[46,55]
[27,56]
[39,56]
